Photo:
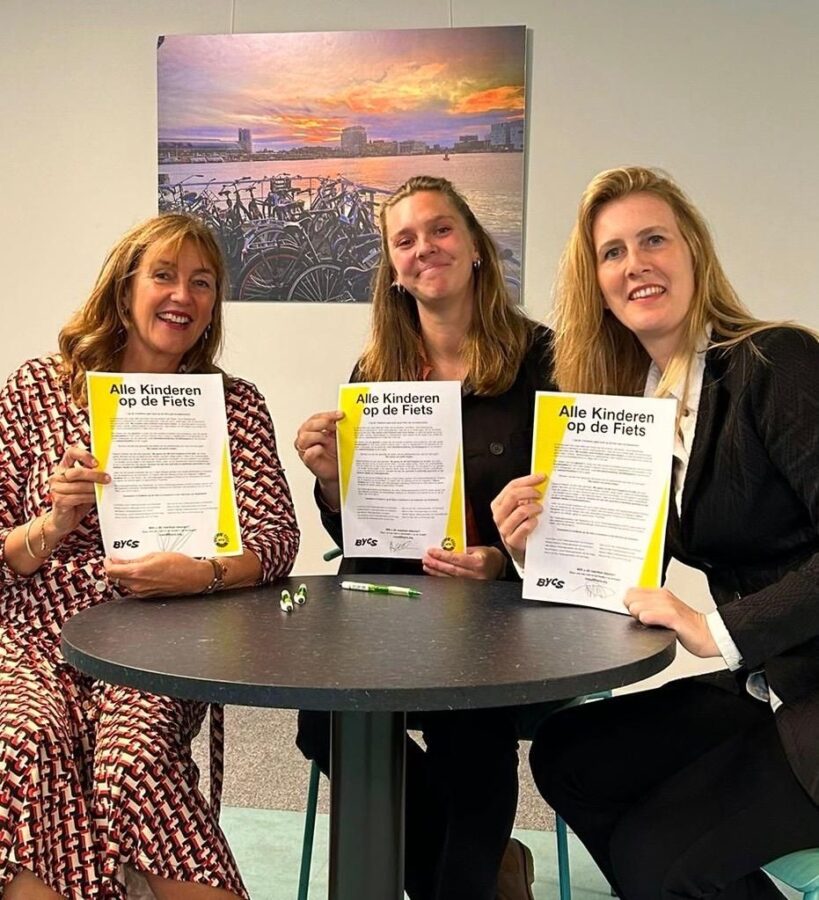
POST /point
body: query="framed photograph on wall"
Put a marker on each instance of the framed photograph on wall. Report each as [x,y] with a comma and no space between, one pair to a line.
[287,144]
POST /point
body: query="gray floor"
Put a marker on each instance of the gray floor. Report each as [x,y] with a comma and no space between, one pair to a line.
[264,770]
[267,846]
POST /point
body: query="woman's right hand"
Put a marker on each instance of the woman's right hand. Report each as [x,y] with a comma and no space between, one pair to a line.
[515,512]
[316,446]
[72,490]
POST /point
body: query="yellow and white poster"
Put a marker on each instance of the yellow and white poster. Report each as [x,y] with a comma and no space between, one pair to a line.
[400,461]
[163,439]
[607,462]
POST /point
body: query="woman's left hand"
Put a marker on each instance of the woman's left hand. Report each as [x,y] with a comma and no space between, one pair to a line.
[661,607]
[159,574]
[486,563]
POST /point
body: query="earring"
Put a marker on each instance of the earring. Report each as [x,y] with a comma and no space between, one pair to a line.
[399,288]
[476,264]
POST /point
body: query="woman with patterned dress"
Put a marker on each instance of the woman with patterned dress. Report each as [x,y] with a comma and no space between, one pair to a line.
[94,777]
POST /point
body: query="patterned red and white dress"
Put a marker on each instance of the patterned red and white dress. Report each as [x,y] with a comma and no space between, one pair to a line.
[93,776]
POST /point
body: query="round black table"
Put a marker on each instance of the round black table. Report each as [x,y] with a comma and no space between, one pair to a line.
[370,658]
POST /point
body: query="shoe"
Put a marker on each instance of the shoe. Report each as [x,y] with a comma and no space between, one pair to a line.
[517,873]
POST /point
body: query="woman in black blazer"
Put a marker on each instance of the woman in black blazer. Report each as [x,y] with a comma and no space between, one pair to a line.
[441,312]
[688,790]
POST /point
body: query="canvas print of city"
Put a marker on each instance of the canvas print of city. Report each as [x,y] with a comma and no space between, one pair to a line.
[287,144]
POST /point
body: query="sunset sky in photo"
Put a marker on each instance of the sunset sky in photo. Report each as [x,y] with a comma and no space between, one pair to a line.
[301,89]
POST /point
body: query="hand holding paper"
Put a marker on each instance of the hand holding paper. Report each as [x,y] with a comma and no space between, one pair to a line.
[316,446]
[482,563]
[161,574]
[72,489]
[515,512]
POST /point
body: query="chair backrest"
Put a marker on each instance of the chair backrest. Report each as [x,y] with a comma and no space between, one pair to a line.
[529,719]
[798,870]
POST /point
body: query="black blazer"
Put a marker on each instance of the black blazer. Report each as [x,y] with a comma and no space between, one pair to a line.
[497,436]
[750,521]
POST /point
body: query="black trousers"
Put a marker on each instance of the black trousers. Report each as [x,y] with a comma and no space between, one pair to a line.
[680,792]
[461,796]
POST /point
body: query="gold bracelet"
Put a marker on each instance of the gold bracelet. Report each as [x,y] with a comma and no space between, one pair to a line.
[44,548]
[31,553]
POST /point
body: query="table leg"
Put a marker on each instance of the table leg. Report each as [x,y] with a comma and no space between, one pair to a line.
[368,759]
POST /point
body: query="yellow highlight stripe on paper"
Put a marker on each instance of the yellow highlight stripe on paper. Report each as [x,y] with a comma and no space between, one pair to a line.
[548,423]
[228,527]
[456,526]
[653,563]
[347,431]
[103,407]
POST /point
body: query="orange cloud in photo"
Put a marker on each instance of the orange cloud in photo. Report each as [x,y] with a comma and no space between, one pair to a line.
[402,88]
[307,128]
[508,97]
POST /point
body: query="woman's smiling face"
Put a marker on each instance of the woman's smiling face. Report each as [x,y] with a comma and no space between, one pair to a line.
[644,269]
[431,248]
[170,304]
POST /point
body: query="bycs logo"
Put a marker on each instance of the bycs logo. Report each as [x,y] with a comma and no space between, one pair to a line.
[448,543]
[220,539]
[129,542]
[557,583]
[366,542]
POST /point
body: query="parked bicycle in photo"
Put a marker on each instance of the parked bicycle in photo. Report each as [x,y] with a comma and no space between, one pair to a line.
[290,237]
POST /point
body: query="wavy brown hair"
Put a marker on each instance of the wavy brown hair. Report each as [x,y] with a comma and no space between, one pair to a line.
[594,352]
[499,333]
[94,338]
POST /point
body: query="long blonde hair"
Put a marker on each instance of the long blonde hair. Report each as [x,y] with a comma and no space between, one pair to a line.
[594,352]
[499,334]
[95,336]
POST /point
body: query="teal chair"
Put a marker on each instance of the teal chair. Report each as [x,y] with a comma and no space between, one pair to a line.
[564,873]
[312,799]
[563,870]
[309,831]
[798,870]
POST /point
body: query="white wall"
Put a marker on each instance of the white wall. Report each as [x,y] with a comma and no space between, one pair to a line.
[724,94]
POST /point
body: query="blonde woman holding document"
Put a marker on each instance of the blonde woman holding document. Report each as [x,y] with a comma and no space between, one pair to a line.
[687,791]
[95,777]
[441,312]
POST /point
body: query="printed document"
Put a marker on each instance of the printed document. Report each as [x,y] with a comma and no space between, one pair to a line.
[163,439]
[608,466]
[400,461]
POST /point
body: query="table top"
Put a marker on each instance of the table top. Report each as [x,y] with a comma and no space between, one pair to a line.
[462,644]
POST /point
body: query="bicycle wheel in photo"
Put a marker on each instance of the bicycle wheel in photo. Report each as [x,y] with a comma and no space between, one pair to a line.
[358,283]
[268,274]
[320,283]
[259,236]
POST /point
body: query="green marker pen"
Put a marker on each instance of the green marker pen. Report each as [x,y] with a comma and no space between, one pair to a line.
[380,589]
